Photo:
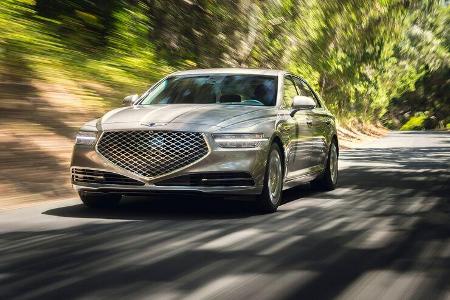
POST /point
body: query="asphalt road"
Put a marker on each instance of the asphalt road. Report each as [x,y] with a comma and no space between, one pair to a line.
[383,234]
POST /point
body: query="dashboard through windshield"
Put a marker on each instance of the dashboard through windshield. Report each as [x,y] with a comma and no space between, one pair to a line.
[256,90]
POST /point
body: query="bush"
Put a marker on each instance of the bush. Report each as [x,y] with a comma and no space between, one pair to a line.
[416,122]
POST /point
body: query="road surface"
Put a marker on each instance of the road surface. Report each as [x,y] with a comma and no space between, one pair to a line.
[383,234]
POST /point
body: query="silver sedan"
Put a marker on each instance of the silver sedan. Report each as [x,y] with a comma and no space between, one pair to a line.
[227,131]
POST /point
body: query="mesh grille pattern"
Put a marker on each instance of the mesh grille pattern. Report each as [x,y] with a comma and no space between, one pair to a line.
[152,153]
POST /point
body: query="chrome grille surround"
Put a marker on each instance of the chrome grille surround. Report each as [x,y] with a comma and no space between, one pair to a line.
[152,154]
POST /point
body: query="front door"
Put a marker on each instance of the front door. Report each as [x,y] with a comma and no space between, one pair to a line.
[299,156]
[316,122]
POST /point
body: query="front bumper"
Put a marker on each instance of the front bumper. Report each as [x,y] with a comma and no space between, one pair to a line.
[217,161]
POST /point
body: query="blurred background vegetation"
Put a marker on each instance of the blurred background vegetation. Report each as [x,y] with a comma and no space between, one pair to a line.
[371,60]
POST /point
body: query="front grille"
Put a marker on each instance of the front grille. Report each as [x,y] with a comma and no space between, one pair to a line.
[152,153]
[210,179]
[80,175]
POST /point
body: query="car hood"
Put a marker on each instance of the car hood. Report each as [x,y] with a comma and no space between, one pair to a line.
[180,116]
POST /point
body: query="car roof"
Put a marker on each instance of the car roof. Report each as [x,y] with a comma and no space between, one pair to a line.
[231,71]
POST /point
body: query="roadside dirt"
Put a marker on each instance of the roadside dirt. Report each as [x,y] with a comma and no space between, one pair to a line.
[37,126]
[352,134]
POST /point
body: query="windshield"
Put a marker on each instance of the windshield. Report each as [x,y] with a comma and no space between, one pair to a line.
[214,89]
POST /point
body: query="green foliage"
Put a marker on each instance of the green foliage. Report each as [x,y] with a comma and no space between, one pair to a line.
[367,58]
[416,122]
[426,49]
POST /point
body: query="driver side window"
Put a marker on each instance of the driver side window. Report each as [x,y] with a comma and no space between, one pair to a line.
[289,92]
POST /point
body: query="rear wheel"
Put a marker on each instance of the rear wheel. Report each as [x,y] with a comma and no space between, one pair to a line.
[328,180]
[97,200]
[270,197]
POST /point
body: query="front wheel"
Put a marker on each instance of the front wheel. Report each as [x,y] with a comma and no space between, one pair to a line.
[96,200]
[270,197]
[328,180]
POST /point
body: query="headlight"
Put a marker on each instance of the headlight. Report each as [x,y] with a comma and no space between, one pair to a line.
[239,140]
[86,138]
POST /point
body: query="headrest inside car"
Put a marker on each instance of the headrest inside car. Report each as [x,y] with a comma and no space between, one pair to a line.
[230,98]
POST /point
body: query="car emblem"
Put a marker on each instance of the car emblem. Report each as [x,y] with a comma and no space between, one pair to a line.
[153,124]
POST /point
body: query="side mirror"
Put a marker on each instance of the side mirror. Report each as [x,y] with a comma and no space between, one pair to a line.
[302,103]
[130,100]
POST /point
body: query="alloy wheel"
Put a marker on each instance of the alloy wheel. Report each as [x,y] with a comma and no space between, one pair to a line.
[333,164]
[275,176]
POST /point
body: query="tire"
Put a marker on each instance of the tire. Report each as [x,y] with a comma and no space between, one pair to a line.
[97,200]
[270,197]
[327,181]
